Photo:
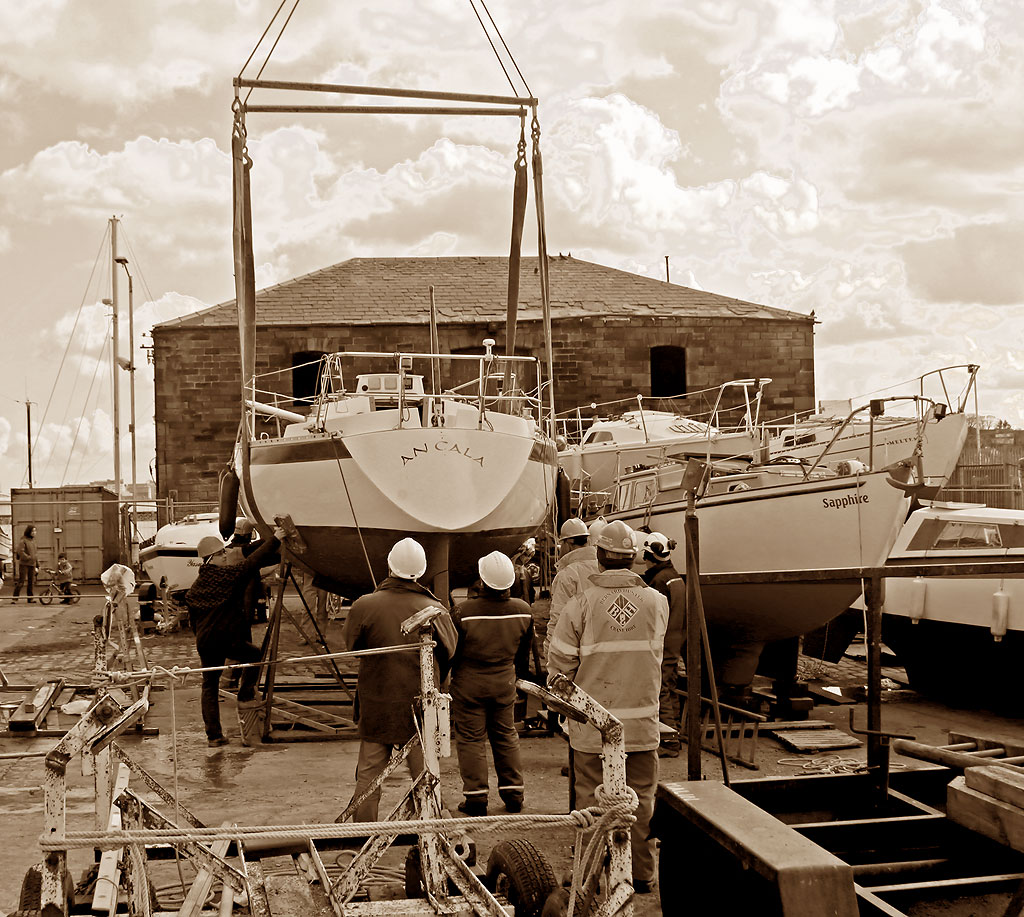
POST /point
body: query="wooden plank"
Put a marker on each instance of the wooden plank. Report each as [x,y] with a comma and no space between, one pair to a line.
[203,881]
[783,725]
[108,879]
[816,740]
[31,712]
[998,782]
[992,817]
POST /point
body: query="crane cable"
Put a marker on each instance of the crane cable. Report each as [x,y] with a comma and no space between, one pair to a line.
[266,60]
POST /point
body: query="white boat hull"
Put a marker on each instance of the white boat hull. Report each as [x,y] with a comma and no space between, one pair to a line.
[943,629]
[171,561]
[467,491]
[836,522]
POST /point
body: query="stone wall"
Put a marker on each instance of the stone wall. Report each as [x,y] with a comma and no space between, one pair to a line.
[596,359]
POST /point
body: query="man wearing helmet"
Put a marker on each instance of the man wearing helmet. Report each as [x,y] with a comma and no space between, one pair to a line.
[577,561]
[495,639]
[661,575]
[388,684]
[609,640]
[216,610]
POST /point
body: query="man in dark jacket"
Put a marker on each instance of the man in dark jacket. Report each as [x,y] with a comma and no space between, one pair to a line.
[657,556]
[389,683]
[216,608]
[495,639]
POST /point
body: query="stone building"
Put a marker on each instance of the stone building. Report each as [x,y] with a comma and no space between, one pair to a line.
[614,335]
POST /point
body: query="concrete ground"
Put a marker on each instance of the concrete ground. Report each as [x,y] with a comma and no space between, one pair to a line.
[310,782]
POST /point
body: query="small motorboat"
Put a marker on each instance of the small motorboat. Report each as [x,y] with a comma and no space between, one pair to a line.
[960,638]
[170,558]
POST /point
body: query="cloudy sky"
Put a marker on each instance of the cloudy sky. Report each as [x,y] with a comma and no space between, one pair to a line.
[857,158]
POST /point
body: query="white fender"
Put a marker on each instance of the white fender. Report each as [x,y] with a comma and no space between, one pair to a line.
[1000,613]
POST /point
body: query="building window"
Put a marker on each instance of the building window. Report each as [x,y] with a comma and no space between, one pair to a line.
[305,373]
[668,371]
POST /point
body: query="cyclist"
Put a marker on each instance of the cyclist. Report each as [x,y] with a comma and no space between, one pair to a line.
[62,577]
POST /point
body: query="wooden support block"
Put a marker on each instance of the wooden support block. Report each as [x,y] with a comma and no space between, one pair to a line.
[31,712]
[985,814]
[999,782]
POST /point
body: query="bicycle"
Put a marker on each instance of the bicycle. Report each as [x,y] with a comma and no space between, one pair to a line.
[53,590]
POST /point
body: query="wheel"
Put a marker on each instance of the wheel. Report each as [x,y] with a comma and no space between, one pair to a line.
[518,871]
[75,596]
[46,597]
[30,898]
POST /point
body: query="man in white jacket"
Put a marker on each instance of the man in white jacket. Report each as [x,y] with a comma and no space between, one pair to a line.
[609,640]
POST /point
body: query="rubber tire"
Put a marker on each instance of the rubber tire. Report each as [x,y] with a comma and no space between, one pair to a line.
[530,878]
[30,899]
[45,597]
[75,596]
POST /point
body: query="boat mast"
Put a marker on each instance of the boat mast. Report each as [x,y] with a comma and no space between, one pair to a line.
[117,393]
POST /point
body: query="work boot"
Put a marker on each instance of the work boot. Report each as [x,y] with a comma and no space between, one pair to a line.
[217,743]
[473,807]
[252,716]
[669,750]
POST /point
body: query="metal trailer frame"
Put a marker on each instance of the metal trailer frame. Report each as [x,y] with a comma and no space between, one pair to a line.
[442,857]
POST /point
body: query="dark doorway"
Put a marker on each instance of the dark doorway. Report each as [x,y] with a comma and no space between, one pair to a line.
[668,371]
[305,372]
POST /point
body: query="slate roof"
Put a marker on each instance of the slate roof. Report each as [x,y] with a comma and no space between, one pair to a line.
[380,291]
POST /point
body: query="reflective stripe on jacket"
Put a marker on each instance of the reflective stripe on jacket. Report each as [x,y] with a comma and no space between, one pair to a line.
[574,571]
[495,637]
[609,641]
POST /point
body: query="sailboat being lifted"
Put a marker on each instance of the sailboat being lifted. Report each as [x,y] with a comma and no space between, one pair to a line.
[382,452]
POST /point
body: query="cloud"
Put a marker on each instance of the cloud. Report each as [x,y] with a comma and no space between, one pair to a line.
[977,263]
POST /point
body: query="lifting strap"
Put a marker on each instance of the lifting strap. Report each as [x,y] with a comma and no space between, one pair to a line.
[519,193]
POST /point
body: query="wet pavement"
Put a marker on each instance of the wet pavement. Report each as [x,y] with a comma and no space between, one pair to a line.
[293,782]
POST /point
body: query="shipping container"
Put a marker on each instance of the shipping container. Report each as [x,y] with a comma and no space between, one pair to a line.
[80,520]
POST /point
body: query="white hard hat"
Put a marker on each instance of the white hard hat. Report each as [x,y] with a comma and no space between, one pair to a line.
[573,528]
[407,559]
[616,538]
[208,545]
[596,527]
[658,546]
[243,526]
[497,571]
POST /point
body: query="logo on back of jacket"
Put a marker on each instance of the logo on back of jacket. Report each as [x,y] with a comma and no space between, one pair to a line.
[621,610]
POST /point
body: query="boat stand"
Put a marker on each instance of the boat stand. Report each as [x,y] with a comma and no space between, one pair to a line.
[291,720]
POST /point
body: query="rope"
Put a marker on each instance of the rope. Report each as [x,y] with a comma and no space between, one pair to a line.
[184,671]
[352,509]
[597,816]
[826,764]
